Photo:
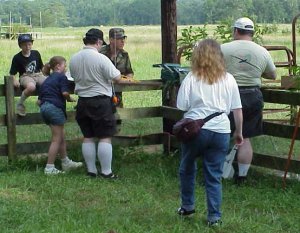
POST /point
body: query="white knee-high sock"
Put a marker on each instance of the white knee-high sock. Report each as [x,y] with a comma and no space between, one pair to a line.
[243,169]
[89,155]
[105,157]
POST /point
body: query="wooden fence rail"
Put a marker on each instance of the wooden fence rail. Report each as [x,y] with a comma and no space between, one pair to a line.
[11,122]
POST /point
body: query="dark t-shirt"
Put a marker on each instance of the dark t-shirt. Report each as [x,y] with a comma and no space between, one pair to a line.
[31,64]
[52,89]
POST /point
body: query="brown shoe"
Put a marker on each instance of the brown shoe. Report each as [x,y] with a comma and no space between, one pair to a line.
[21,110]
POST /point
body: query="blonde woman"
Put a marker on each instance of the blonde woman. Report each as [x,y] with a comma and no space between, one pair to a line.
[207,89]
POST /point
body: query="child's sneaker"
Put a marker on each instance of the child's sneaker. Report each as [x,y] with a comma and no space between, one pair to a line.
[21,110]
[216,223]
[70,165]
[52,171]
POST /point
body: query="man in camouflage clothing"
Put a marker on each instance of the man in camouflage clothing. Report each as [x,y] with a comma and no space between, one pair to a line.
[119,57]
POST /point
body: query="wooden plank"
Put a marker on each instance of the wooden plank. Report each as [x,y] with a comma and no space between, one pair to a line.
[139,86]
[122,113]
[10,118]
[30,119]
[41,147]
[2,90]
[279,130]
[142,85]
[274,162]
[172,113]
[134,140]
[150,139]
[137,113]
[281,96]
[2,120]
[18,92]
[3,150]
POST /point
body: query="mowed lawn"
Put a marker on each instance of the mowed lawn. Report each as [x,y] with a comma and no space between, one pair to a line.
[146,196]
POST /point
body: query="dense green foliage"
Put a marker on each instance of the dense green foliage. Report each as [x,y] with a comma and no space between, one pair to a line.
[222,33]
[63,13]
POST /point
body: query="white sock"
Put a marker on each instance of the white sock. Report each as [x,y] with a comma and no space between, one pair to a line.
[49,166]
[22,98]
[243,169]
[89,155]
[105,157]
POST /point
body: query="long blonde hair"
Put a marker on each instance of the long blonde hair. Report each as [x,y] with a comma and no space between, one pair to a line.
[207,61]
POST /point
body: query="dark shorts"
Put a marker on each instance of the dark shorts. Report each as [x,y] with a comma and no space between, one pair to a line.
[252,103]
[95,117]
[52,115]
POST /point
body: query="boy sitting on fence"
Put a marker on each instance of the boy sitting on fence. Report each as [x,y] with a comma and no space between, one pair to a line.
[28,63]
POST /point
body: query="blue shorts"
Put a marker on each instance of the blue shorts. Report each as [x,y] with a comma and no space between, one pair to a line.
[52,115]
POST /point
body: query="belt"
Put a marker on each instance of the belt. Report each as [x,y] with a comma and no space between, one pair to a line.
[95,97]
[248,87]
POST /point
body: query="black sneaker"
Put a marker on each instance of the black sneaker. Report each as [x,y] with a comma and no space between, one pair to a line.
[110,176]
[240,180]
[183,212]
[91,174]
[216,223]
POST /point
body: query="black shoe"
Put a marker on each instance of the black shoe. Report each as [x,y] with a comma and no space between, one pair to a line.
[91,174]
[240,180]
[183,212]
[110,176]
[216,223]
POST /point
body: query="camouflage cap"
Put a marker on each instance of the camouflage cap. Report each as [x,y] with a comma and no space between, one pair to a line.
[117,33]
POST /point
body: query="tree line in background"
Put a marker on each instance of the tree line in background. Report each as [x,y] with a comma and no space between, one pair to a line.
[63,13]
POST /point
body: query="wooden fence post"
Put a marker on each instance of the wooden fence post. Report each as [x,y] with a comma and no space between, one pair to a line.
[10,118]
[169,55]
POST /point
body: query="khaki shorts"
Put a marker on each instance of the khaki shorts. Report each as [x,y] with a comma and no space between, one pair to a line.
[36,78]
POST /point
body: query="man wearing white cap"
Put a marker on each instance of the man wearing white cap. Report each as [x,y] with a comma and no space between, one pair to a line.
[248,62]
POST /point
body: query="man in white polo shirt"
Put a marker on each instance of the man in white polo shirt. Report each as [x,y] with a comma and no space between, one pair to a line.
[93,75]
[248,62]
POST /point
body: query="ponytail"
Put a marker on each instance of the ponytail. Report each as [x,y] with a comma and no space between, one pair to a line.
[54,61]
[46,69]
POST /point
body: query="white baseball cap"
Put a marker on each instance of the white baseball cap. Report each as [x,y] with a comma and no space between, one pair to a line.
[244,23]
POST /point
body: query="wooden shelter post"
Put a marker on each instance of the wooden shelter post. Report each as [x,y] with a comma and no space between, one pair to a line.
[169,55]
[169,31]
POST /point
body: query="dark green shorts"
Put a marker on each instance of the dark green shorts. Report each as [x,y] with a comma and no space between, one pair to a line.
[253,104]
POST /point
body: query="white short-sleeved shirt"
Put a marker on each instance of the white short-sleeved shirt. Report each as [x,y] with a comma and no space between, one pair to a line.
[92,73]
[199,100]
[247,61]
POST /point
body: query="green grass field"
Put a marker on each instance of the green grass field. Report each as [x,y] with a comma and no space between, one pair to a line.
[146,196]
[143,200]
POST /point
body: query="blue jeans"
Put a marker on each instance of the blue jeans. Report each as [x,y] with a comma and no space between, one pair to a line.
[212,147]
